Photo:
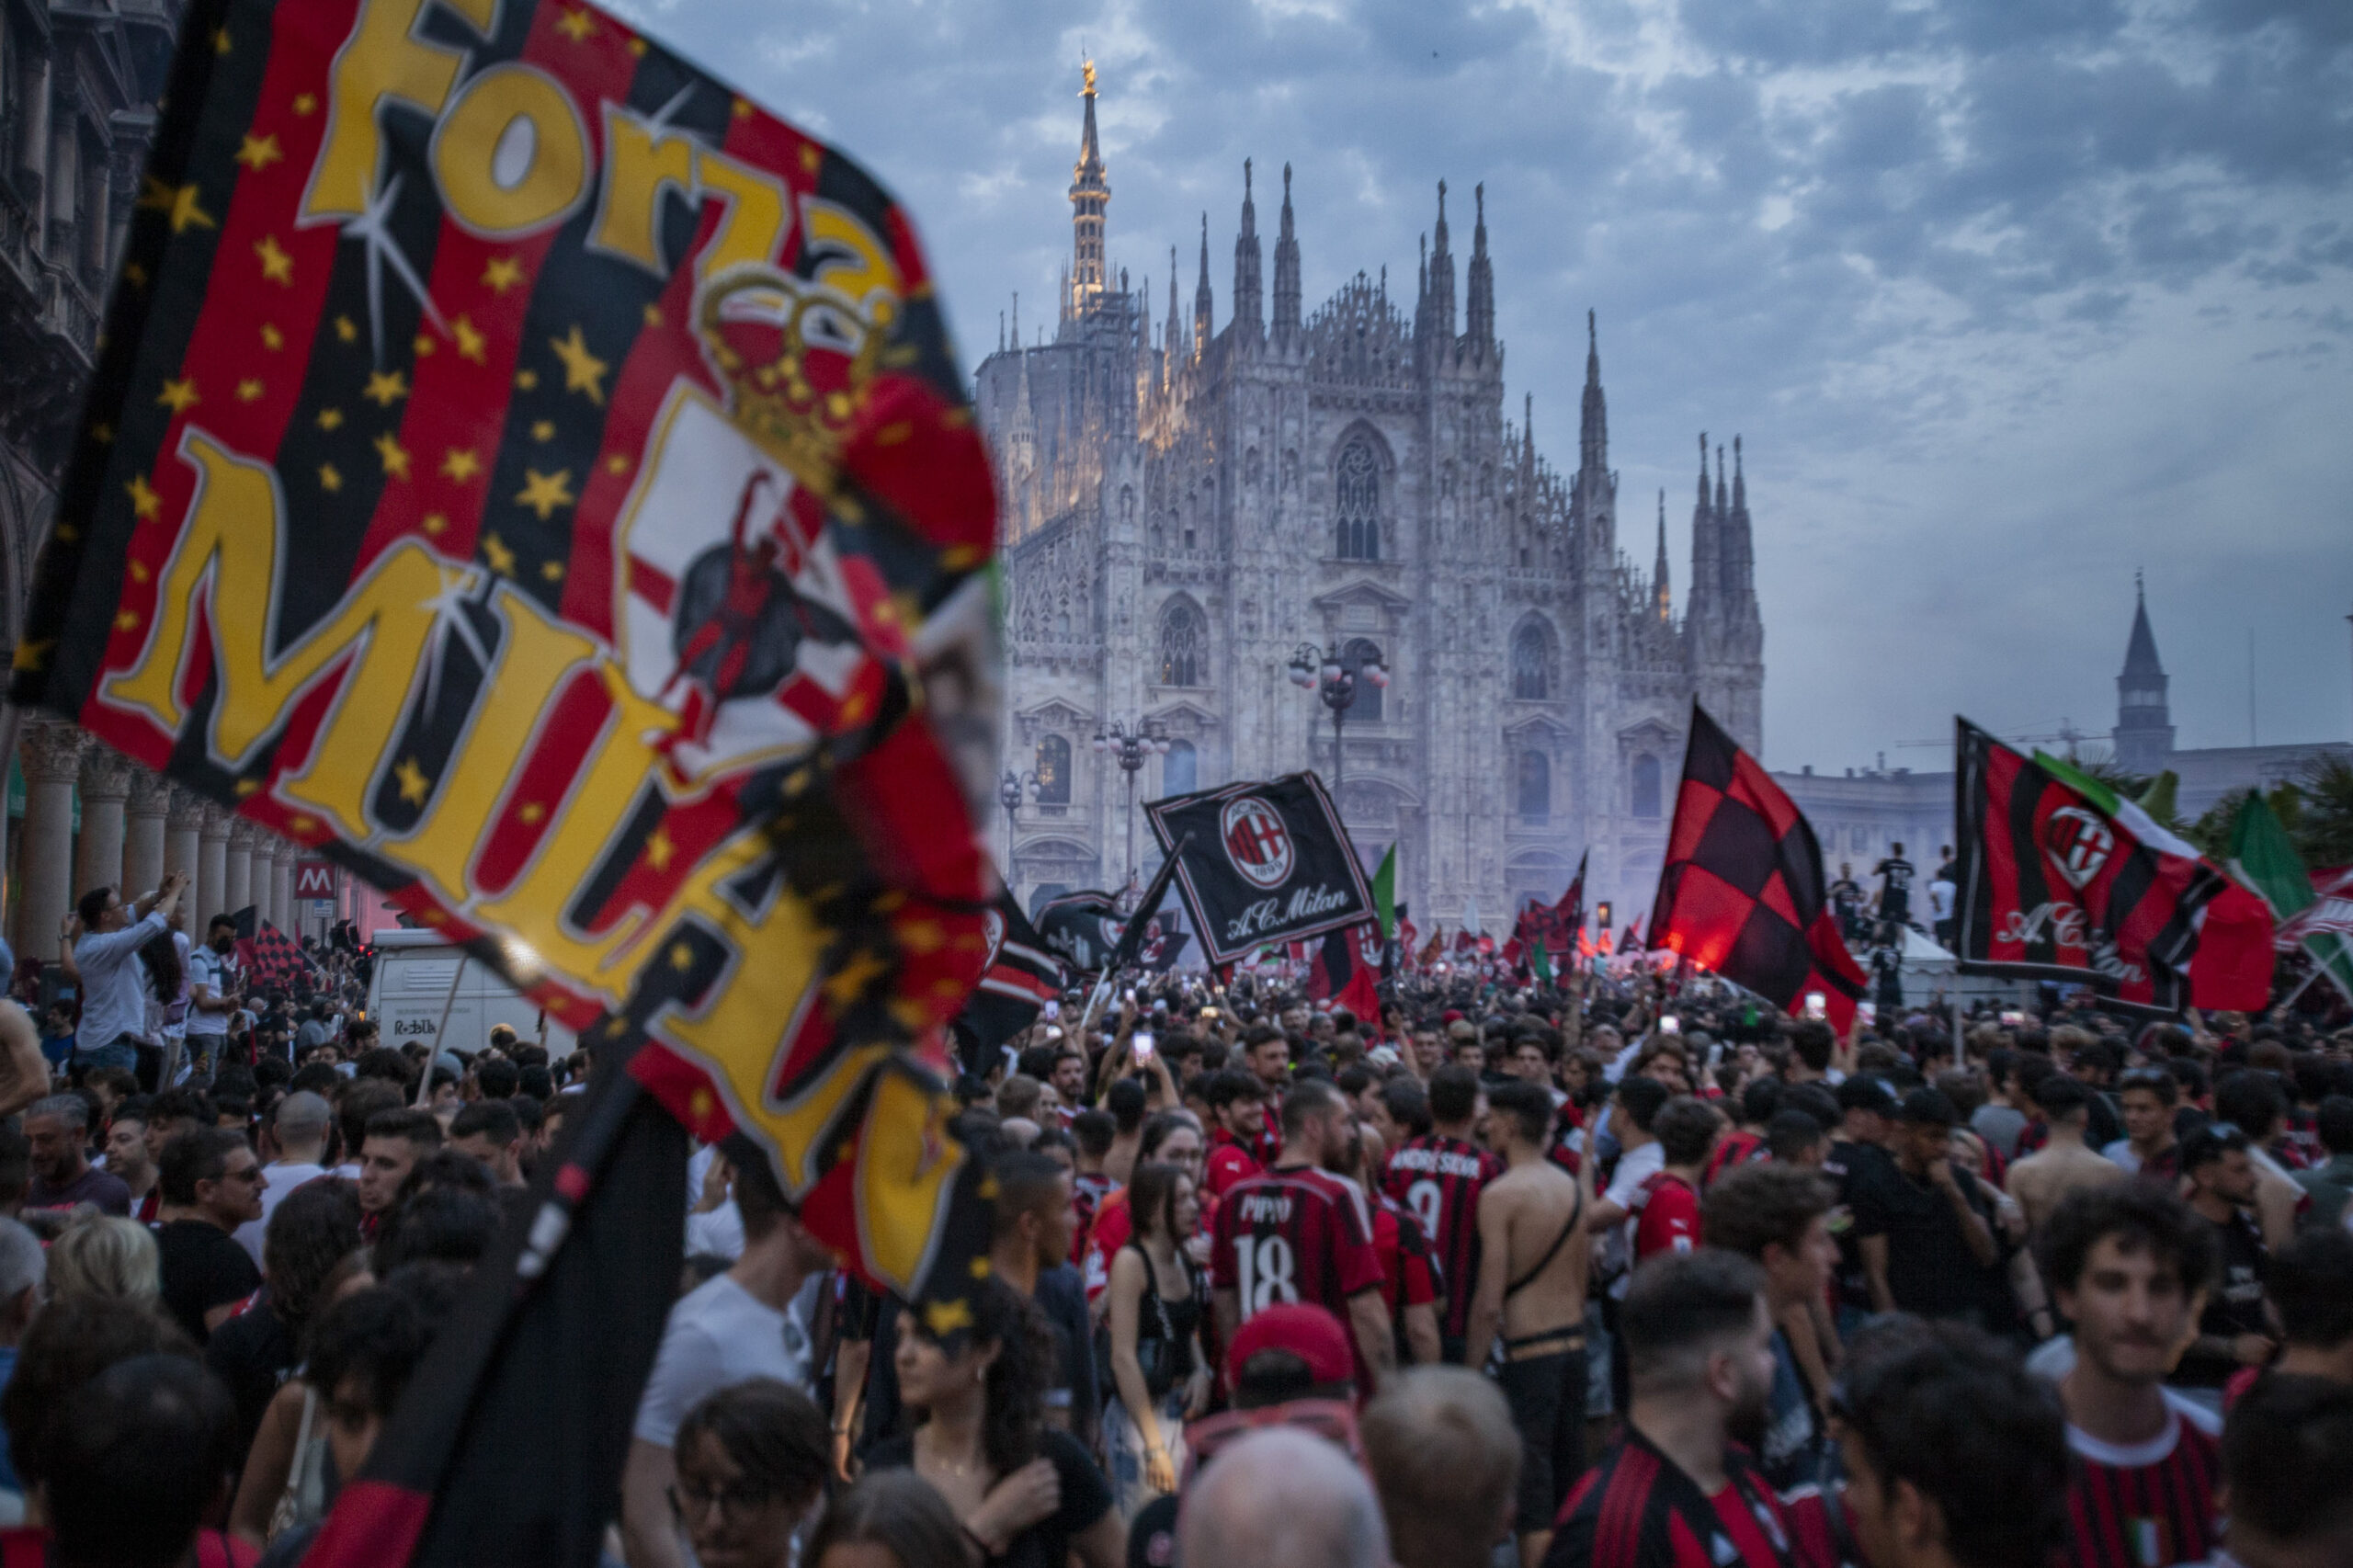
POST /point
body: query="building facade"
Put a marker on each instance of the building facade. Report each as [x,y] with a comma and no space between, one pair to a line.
[1190,504]
[78,86]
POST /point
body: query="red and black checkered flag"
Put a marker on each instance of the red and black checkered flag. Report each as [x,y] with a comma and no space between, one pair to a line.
[268,955]
[1742,891]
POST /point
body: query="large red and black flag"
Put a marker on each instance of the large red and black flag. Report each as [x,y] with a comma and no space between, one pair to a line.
[1019,978]
[2063,879]
[528,474]
[268,955]
[1345,971]
[1742,892]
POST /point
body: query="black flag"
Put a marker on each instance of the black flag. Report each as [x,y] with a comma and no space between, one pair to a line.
[1261,864]
[1020,978]
[1082,928]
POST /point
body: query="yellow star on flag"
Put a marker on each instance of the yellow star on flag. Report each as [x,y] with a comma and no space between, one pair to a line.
[501,559]
[542,429]
[503,273]
[460,463]
[178,202]
[658,850]
[617,464]
[145,504]
[259,153]
[383,386]
[395,455]
[532,811]
[527,380]
[551,570]
[941,1319]
[220,41]
[276,265]
[652,315]
[435,523]
[305,102]
[682,957]
[248,390]
[178,397]
[543,492]
[577,25]
[583,372]
[414,785]
[346,328]
[469,339]
[330,479]
[271,338]
[330,418]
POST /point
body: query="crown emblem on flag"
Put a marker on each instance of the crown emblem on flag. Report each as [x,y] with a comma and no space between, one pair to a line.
[798,360]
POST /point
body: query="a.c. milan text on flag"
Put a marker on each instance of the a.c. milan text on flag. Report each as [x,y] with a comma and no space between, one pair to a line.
[1265,863]
[2061,882]
[526,473]
[1742,892]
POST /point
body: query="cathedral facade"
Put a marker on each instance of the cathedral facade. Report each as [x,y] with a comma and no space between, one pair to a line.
[1191,505]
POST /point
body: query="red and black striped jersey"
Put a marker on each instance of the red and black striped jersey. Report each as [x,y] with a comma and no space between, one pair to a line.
[1294,1233]
[1735,1148]
[1438,1179]
[1638,1509]
[1408,1273]
[2146,1504]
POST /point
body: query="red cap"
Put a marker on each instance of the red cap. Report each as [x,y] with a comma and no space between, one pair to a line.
[1310,1333]
[1453,1016]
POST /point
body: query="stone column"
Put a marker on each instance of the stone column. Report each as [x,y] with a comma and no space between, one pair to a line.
[263,884]
[282,884]
[212,862]
[106,785]
[183,824]
[144,832]
[237,881]
[50,751]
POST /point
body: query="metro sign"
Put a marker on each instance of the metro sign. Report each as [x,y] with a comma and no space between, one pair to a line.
[314,879]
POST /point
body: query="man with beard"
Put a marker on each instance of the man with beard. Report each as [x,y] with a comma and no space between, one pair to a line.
[1679,1490]
[2128,1264]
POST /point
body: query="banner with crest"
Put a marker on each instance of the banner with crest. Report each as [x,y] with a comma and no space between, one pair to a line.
[528,473]
[1260,863]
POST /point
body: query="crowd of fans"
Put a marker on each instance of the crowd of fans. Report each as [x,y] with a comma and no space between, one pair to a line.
[1605,1270]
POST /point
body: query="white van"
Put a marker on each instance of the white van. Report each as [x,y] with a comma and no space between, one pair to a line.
[412,990]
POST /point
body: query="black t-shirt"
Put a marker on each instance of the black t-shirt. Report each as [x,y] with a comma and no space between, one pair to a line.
[1930,1269]
[1062,1296]
[2234,1307]
[1895,887]
[251,1353]
[1862,1172]
[1086,1496]
[203,1268]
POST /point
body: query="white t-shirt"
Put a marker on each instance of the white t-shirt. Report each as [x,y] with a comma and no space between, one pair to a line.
[720,1232]
[718,1335]
[1636,1167]
[1940,900]
[209,970]
[277,1182]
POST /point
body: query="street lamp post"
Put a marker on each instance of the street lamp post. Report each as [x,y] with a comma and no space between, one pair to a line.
[1130,745]
[1331,676]
[1008,794]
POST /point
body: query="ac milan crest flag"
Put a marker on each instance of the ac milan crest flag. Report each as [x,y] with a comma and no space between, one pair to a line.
[1742,892]
[2063,881]
[268,955]
[1082,928]
[1261,863]
[1019,978]
[525,472]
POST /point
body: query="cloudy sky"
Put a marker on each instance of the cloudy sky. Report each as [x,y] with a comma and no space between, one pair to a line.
[2008,298]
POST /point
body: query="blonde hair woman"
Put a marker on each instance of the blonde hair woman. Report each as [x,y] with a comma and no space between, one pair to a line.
[105,1255]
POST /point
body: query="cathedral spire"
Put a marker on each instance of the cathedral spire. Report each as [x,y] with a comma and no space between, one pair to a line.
[1479,316]
[1527,452]
[1201,310]
[1739,553]
[1664,600]
[1286,274]
[1175,331]
[1247,324]
[1593,431]
[1699,603]
[1435,318]
[1090,194]
[1723,507]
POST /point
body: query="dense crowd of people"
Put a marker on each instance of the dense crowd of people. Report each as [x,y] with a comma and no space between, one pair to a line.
[1611,1269]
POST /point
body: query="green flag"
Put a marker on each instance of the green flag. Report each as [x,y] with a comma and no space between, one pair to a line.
[1540,962]
[2265,859]
[1384,895]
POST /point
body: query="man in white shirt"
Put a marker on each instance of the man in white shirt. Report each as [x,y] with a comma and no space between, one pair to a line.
[300,1126]
[736,1326]
[102,938]
[213,993]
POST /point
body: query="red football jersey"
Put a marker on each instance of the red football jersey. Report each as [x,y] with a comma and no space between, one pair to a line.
[1295,1234]
[1438,1179]
[1666,1215]
[2149,1505]
[1406,1279]
[1229,1164]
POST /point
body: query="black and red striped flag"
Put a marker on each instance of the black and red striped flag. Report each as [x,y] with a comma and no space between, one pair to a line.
[524,472]
[1022,976]
[1345,971]
[268,955]
[1741,892]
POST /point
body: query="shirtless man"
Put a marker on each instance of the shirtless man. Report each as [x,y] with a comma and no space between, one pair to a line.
[1532,1259]
[2064,1163]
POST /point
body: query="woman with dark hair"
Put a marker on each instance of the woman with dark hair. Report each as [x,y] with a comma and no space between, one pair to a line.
[167,975]
[893,1518]
[1156,1362]
[752,1461]
[1026,1494]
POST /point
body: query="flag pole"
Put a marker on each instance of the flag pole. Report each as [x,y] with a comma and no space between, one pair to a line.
[433,1049]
